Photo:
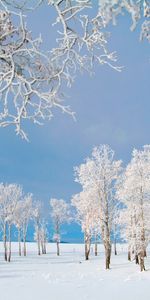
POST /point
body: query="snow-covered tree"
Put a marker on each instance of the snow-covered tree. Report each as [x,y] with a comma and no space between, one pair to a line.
[27,214]
[18,223]
[60,214]
[100,173]
[10,195]
[134,192]
[40,234]
[31,80]
[43,236]
[37,221]
[139,11]
[87,215]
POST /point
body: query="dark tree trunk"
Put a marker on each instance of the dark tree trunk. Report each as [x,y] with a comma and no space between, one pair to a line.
[141,261]
[107,255]
[136,259]
[96,245]
[129,254]
[58,250]
[39,250]
[115,247]
[87,246]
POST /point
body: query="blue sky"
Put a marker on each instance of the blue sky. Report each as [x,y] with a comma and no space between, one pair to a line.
[110,108]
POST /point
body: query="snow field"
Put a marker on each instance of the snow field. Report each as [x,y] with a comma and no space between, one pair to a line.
[70,277]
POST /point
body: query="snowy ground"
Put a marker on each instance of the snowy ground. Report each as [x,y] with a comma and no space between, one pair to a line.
[69,277]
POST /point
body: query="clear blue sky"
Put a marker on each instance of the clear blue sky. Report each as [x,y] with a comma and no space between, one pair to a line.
[111,107]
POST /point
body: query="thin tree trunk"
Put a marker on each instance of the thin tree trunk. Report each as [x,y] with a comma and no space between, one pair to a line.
[24,246]
[115,247]
[19,240]
[5,242]
[58,250]
[39,250]
[87,247]
[107,255]
[44,247]
[107,243]
[129,253]
[136,259]
[9,241]
[96,245]
[141,261]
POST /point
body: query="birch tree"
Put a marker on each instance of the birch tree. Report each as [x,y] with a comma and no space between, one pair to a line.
[60,214]
[43,236]
[10,194]
[40,234]
[100,172]
[87,215]
[134,192]
[27,214]
[37,220]
[18,223]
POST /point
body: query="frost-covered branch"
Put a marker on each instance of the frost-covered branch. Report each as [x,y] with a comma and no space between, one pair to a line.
[139,11]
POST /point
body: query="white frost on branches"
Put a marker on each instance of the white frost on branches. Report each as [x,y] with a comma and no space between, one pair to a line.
[134,192]
[100,173]
[31,81]
[60,214]
[139,10]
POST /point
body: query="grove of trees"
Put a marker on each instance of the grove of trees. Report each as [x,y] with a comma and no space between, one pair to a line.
[113,201]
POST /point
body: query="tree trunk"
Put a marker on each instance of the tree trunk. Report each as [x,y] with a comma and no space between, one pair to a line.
[129,255]
[5,242]
[58,250]
[87,247]
[115,247]
[44,245]
[24,246]
[141,261]
[107,243]
[19,241]
[136,259]
[107,255]
[39,250]
[9,241]
[96,245]
[44,248]
[145,253]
